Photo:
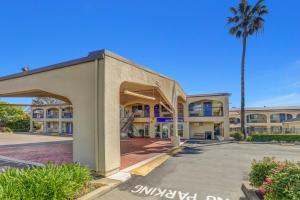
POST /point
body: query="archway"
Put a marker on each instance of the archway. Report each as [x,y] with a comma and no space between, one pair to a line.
[54,146]
[145,123]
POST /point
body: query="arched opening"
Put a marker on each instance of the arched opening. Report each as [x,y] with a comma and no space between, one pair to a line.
[145,122]
[44,119]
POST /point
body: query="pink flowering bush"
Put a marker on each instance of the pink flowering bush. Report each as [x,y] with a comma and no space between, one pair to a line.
[260,170]
[282,182]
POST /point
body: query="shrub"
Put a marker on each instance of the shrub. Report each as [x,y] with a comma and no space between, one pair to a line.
[260,170]
[275,137]
[44,183]
[249,139]
[283,184]
[237,136]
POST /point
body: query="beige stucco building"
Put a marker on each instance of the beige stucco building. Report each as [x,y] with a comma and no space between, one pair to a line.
[264,119]
[292,125]
[52,119]
[112,97]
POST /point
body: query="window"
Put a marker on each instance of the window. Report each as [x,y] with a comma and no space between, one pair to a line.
[234,120]
[195,109]
[256,118]
[280,117]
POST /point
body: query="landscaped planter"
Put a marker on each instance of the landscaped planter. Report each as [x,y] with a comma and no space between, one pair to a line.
[251,193]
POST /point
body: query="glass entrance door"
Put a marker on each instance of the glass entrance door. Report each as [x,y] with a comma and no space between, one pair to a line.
[165,130]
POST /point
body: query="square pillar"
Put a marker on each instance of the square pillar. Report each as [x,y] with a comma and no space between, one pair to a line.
[45,121]
[59,120]
[175,138]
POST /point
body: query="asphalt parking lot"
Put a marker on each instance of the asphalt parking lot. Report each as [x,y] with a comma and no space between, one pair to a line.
[201,172]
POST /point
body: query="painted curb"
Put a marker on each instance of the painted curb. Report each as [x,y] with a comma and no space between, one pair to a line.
[99,192]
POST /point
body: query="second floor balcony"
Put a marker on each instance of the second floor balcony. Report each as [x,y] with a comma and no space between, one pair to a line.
[52,113]
[206,109]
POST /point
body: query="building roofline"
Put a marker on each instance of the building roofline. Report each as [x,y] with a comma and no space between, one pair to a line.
[268,108]
[91,56]
[99,54]
[209,95]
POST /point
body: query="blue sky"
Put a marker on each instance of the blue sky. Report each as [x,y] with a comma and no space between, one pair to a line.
[185,40]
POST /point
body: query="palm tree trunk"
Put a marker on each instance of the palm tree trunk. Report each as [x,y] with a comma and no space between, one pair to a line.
[243,130]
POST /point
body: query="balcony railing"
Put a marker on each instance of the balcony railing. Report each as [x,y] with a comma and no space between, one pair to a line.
[52,115]
[67,115]
[207,112]
[38,116]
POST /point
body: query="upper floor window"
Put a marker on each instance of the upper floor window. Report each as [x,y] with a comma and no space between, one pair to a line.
[256,118]
[205,109]
[67,112]
[234,120]
[38,113]
[280,117]
[141,110]
[52,113]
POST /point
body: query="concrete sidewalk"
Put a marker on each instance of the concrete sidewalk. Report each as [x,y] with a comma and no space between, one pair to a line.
[21,139]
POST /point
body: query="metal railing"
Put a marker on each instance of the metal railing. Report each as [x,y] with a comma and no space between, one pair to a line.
[207,112]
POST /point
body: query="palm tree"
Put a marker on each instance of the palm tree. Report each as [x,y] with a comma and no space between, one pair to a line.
[246,21]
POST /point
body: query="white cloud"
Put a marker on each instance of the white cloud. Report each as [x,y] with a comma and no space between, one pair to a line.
[292,99]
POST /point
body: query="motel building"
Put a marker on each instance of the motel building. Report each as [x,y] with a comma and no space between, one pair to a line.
[51,119]
[108,99]
[267,119]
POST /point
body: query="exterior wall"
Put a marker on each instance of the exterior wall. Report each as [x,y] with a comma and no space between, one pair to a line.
[268,125]
[293,127]
[198,129]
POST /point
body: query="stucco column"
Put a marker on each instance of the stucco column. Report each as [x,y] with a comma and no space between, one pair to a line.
[45,121]
[152,122]
[59,120]
[152,130]
[186,126]
[175,138]
[226,119]
[31,122]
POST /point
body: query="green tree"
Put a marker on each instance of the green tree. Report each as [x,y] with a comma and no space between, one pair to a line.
[246,21]
[14,117]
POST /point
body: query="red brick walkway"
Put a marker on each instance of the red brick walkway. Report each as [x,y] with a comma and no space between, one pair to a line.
[133,150]
[41,153]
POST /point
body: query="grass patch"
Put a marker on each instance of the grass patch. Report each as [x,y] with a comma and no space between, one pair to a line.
[57,182]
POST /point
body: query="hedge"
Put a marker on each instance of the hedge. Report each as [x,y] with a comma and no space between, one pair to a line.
[275,137]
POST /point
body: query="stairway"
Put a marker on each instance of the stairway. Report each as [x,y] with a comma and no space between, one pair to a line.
[126,126]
